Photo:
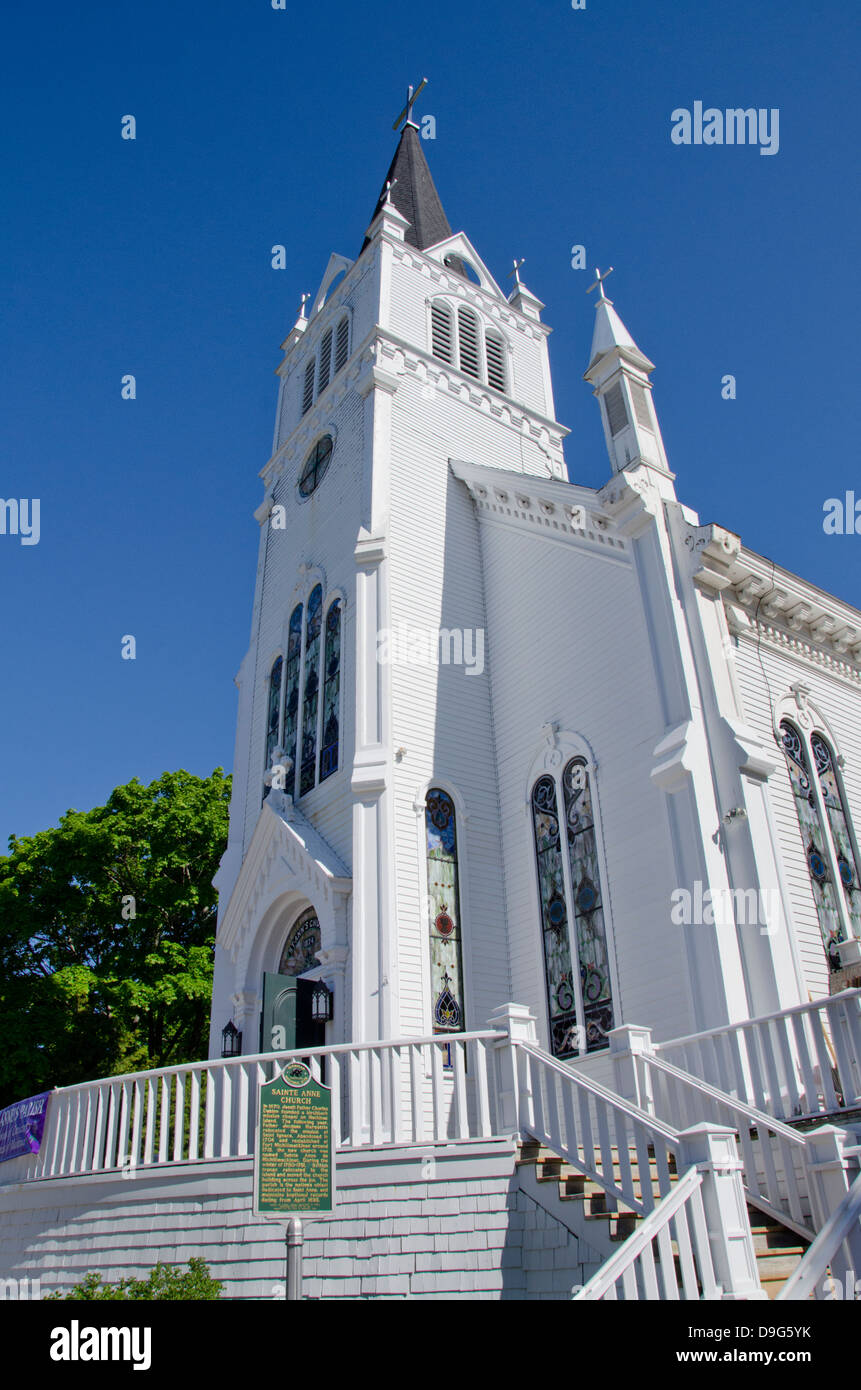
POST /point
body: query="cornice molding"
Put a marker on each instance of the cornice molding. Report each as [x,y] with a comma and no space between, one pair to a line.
[788,613]
[560,509]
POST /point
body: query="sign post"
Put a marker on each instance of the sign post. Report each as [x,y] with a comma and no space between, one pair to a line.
[294,1158]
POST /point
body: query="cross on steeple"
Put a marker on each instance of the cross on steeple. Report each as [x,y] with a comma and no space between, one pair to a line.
[602,298]
[406,116]
[516,271]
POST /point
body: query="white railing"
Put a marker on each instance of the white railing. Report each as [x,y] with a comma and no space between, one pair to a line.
[602,1136]
[831,1256]
[633,1271]
[427,1090]
[773,1154]
[800,1062]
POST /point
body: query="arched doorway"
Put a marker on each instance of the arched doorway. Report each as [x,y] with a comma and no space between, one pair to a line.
[286,1021]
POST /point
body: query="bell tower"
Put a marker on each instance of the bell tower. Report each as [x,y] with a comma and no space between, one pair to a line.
[365,775]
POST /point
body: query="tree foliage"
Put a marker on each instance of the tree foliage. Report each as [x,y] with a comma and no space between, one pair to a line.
[163,1282]
[107,927]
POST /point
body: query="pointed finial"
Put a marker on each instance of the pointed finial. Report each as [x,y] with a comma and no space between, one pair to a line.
[387,201]
[406,116]
[516,271]
[302,304]
[599,280]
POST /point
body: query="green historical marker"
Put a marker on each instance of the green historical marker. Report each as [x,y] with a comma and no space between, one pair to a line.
[294,1159]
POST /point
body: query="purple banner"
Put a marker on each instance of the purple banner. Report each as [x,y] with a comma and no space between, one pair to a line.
[22,1126]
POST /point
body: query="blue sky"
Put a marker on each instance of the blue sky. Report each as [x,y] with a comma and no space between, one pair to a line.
[257,127]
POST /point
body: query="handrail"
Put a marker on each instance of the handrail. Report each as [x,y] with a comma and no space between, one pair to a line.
[650,1226]
[616,1102]
[802,1282]
[246,1058]
[812,1007]
[760,1118]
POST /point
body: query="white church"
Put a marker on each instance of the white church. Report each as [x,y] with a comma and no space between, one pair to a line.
[542,846]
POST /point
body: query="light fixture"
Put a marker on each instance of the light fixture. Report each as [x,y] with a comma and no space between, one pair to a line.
[231,1040]
[321,1003]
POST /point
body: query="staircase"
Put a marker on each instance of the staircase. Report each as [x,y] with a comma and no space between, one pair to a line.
[778,1250]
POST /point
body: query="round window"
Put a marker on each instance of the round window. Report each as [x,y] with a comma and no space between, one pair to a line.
[314,468]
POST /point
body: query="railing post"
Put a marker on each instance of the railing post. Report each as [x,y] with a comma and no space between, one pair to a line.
[831,1172]
[631,1079]
[519,1024]
[713,1149]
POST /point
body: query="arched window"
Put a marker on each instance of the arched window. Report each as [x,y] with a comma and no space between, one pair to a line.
[579,1001]
[313,623]
[308,387]
[291,694]
[342,344]
[273,714]
[468,339]
[826,836]
[444,926]
[303,942]
[466,342]
[442,332]
[324,364]
[331,691]
[494,348]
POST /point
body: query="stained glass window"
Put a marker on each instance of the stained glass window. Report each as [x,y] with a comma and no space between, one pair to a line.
[273,711]
[813,834]
[313,624]
[301,947]
[561,997]
[591,939]
[291,695]
[447,1011]
[331,691]
[838,823]
[580,1007]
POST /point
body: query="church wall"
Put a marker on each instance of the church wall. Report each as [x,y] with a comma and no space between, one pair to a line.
[840,702]
[440,714]
[568,644]
[408,1225]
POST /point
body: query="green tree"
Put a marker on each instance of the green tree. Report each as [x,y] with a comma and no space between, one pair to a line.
[163,1282]
[107,927]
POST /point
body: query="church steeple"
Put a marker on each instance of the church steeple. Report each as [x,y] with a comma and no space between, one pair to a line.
[619,373]
[410,187]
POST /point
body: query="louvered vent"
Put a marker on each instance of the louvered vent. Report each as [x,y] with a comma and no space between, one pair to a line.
[441,332]
[495,350]
[641,405]
[325,366]
[467,325]
[308,390]
[342,343]
[617,416]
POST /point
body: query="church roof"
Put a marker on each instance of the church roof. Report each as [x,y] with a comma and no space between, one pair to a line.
[414,193]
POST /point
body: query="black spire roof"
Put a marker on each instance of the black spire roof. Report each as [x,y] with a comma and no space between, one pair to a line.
[414,194]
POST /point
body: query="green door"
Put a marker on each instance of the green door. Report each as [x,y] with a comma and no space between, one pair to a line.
[286,1022]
